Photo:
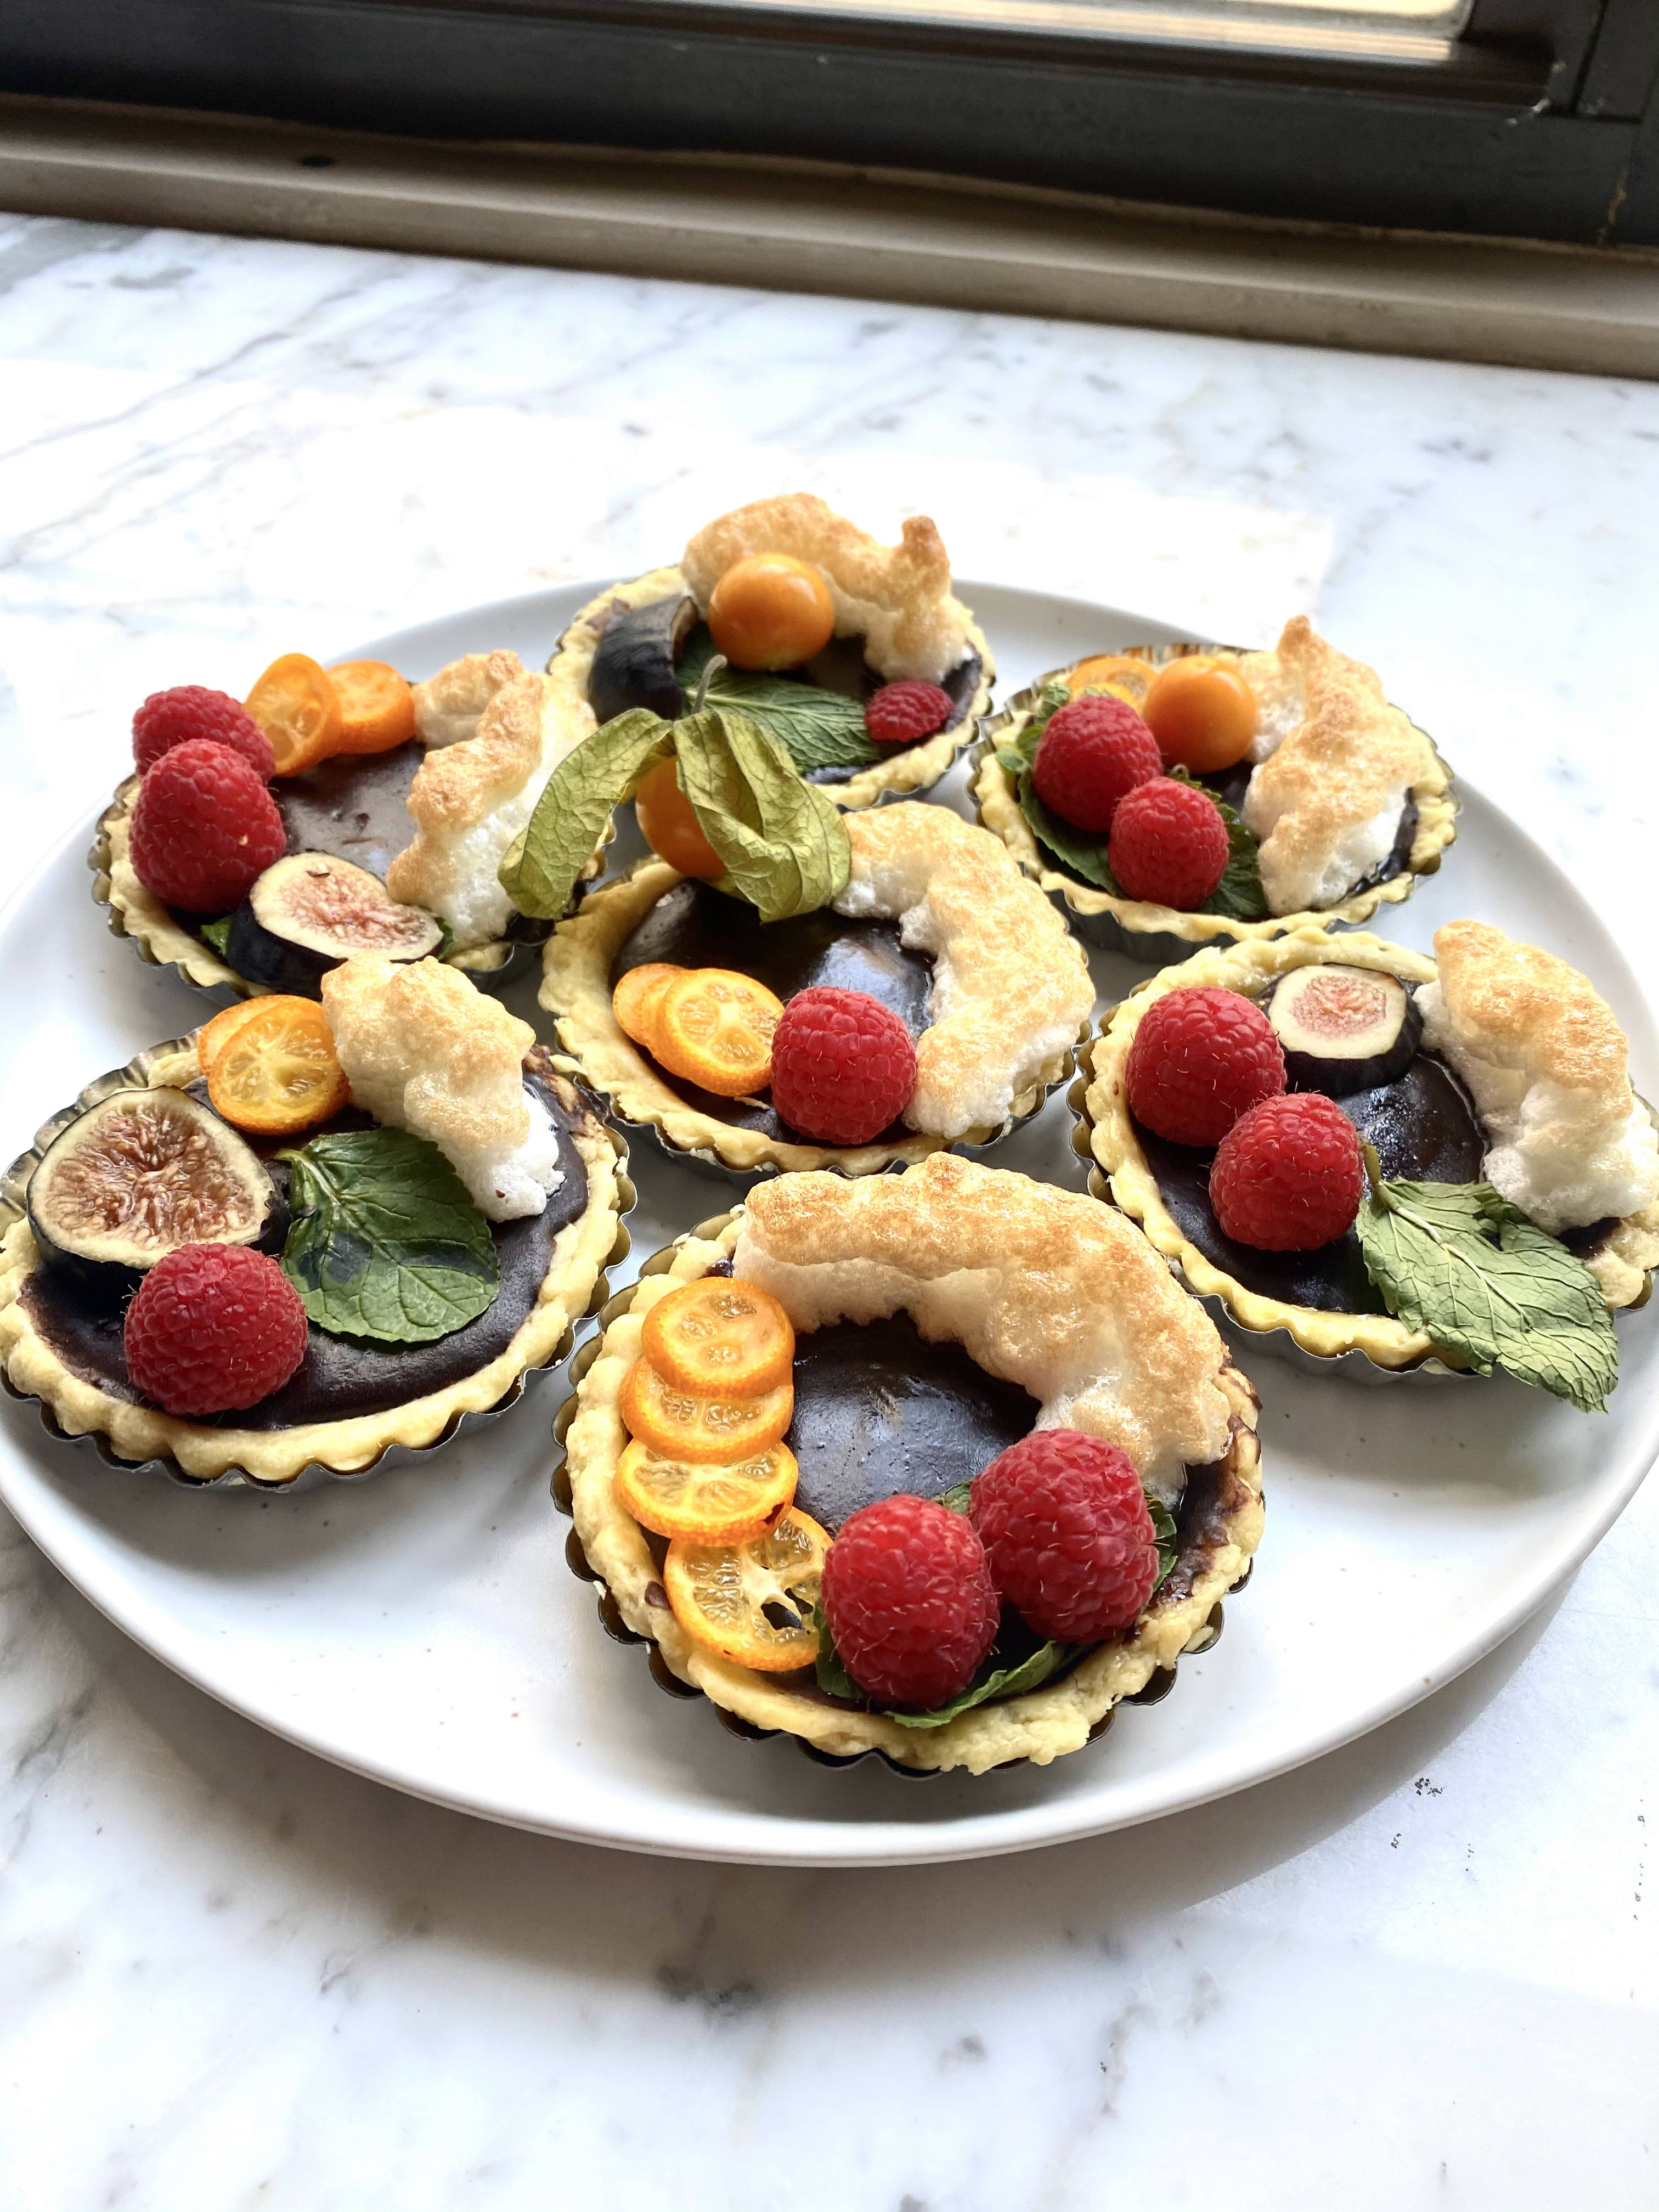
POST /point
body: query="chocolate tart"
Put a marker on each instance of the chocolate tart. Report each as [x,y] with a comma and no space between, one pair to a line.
[878,1396]
[1018,993]
[840,667]
[352,1406]
[1152,934]
[1318,1309]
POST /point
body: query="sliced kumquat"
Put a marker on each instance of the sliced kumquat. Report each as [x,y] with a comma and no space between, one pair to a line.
[721,1335]
[1120,673]
[635,999]
[377,706]
[278,1071]
[213,1037]
[706,1501]
[691,1425]
[755,1603]
[296,704]
[714,1028]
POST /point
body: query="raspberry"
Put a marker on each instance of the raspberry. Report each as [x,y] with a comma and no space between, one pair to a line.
[1094,750]
[1201,1059]
[900,713]
[1168,844]
[190,710]
[844,1066]
[1065,1525]
[214,1326]
[1289,1176]
[203,826]
[909,1600]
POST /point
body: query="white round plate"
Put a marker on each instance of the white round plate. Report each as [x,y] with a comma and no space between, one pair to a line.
[422,1628]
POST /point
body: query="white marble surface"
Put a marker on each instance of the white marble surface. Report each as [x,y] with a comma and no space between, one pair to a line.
[1421,1973]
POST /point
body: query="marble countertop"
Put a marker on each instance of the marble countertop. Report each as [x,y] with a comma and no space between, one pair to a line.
[1421,1973]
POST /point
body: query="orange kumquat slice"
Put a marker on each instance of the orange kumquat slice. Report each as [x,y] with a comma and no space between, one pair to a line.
[719,1336]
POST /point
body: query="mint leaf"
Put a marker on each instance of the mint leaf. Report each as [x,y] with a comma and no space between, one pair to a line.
[1007,1682]
[1079,850]
[833,1678]
[1169,1540]
[217,934]
[544,861]
[1239,893]
[783,841]
[957,1496]
[385,1240]
[817,728]
[1462,1264]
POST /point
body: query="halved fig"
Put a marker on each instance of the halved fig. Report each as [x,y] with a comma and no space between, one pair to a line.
[635,662]
[137,1176]
[1344,1029]
[310,911]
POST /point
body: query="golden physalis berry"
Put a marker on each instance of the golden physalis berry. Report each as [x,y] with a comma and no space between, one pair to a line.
[714,1027]
[377,707]
[771,612]
[755,1603]
[635,999]
[669,825]
[1122,674]
[296,704]
[687,1425]
[721,1334]
[706,1502]
[278,1071]
[1202,713]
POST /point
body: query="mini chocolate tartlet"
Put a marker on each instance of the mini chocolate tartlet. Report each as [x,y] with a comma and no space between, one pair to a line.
[939,1316]
[144,1164]
[645,642]
[1339,805]
[1494,1069]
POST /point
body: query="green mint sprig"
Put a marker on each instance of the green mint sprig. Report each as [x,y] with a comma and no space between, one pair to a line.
[818,728]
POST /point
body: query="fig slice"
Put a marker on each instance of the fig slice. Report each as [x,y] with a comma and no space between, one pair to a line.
[309,911]
[635,660]
[1344,1029]
[137,1176]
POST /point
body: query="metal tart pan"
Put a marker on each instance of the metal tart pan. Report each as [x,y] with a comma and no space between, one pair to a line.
[1162,948]
[135,1075]
[1153,1691]
[492,966]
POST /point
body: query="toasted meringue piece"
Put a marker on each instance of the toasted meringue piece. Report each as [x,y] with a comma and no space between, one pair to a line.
[1547,1065]
[1327,799]
[1010,985]
[423,1050]
[498,734]
[1043,1287]
[896,597]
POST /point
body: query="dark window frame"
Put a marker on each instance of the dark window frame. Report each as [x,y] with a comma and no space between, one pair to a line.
[1544,124]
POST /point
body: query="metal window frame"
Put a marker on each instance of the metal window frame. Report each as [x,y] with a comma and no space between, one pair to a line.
[1543,123]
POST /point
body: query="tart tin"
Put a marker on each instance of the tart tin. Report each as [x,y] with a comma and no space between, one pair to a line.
[905,773]
[773,1155]
[162,941]
[1157,935]
[1157,1687]
[135,1076]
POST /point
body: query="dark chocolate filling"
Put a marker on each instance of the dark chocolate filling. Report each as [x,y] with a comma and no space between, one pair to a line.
[880,1409]
[1425,1130]
[343,1377]
[696,926]
[354,807]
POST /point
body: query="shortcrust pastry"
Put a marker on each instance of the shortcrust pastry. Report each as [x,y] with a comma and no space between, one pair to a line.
[939,1316]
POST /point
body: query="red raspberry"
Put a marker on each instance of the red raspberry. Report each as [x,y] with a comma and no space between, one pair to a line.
[844,1066]
[900,713]
[1168,844]
[190,710]
[214,1326]
[203,826]
[1065,1525]
[1201,1059]
[1094,750]
[1289,1176]
[909,1600]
